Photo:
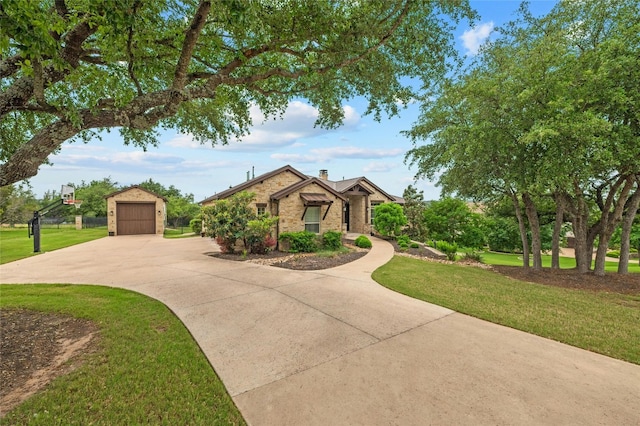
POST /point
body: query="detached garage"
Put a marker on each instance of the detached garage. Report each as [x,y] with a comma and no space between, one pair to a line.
[134,211]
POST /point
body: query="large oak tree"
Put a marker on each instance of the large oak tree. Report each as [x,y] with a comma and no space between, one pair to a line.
[70,69]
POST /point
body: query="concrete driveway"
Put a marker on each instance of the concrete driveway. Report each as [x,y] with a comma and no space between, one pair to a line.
[333,347]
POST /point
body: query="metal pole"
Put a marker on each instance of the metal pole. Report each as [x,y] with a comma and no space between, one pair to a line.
[35,230]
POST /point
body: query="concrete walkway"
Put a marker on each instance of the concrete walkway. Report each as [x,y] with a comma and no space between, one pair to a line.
[333,347]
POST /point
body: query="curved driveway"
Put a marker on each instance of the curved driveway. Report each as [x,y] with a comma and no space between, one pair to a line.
[333,347]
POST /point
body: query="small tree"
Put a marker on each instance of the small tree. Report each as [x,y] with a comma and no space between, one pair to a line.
[444,219]
[414,206]
[389,219]
[228,219]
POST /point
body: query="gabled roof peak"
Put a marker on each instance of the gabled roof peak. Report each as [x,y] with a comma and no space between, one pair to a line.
[244,185]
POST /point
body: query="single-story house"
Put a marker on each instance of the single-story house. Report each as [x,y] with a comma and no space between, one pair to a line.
[316,204]
[135,210]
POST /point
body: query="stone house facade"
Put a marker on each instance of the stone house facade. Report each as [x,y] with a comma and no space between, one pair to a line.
[313,203]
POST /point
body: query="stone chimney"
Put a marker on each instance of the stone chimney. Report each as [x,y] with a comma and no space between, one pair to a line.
[324,174]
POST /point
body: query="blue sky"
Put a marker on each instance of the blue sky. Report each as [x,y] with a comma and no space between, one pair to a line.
[361,147]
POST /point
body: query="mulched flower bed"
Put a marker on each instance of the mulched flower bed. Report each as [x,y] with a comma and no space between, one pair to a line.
[298,261]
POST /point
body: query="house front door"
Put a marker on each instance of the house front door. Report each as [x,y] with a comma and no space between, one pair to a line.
[346,216]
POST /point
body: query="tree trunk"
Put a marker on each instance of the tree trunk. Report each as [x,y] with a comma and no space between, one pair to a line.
[611,217]
[557,228]
[601,254]
[534,225]
[627,222]
[580,223]
[522,228]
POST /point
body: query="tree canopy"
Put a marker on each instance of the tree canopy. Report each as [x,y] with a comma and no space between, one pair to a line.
[72,69]
[549,110]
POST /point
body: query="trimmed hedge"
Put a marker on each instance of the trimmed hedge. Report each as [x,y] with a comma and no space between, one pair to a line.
[363,242]
[332,240]
[300,242]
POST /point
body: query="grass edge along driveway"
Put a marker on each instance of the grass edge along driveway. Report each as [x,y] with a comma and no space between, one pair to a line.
[17,245]
[606,323]
[148,368]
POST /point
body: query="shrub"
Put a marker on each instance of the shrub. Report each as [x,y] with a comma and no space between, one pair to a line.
[258,234]
[332,240]
[225,246]
[227,219]
[473,256]
[363,242]
[196,224]
[389,219]
[449,249]
[414,245]
[403,240]
[613,253]
[300,242]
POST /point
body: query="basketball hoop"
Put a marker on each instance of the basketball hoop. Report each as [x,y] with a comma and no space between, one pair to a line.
[69,202]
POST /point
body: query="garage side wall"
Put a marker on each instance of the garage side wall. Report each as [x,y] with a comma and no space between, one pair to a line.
[133,196]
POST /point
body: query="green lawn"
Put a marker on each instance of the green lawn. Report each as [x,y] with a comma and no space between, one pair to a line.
[606,323]
[15,243]
[492,258]
[148,369]
[179,233]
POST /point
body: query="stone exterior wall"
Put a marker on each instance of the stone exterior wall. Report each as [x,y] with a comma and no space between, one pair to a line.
[358,205]
[135,195]
[264,189]
[360,209]
[291,208]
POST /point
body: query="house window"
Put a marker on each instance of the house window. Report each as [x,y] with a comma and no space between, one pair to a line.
[374,204]
[312,219]
[262,209]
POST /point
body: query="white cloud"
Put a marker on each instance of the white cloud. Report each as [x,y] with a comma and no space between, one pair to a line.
[342,152]
[266,133]
[88,160]
[296,158]
[184,141]
[322,155]
[472,39]
[377,166]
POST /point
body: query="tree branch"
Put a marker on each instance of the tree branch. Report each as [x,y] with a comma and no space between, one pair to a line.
[61,8]
[189,44]
[9,66]
[130,53]
[20,91]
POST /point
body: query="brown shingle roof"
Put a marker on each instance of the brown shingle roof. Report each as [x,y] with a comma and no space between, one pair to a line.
[313,199]
[297,186]
[229,192]
[347,184]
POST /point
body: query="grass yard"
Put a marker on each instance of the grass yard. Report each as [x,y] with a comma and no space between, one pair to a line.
[15,243]
[178,233]
[507,259]
[148,369]
[601,322]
